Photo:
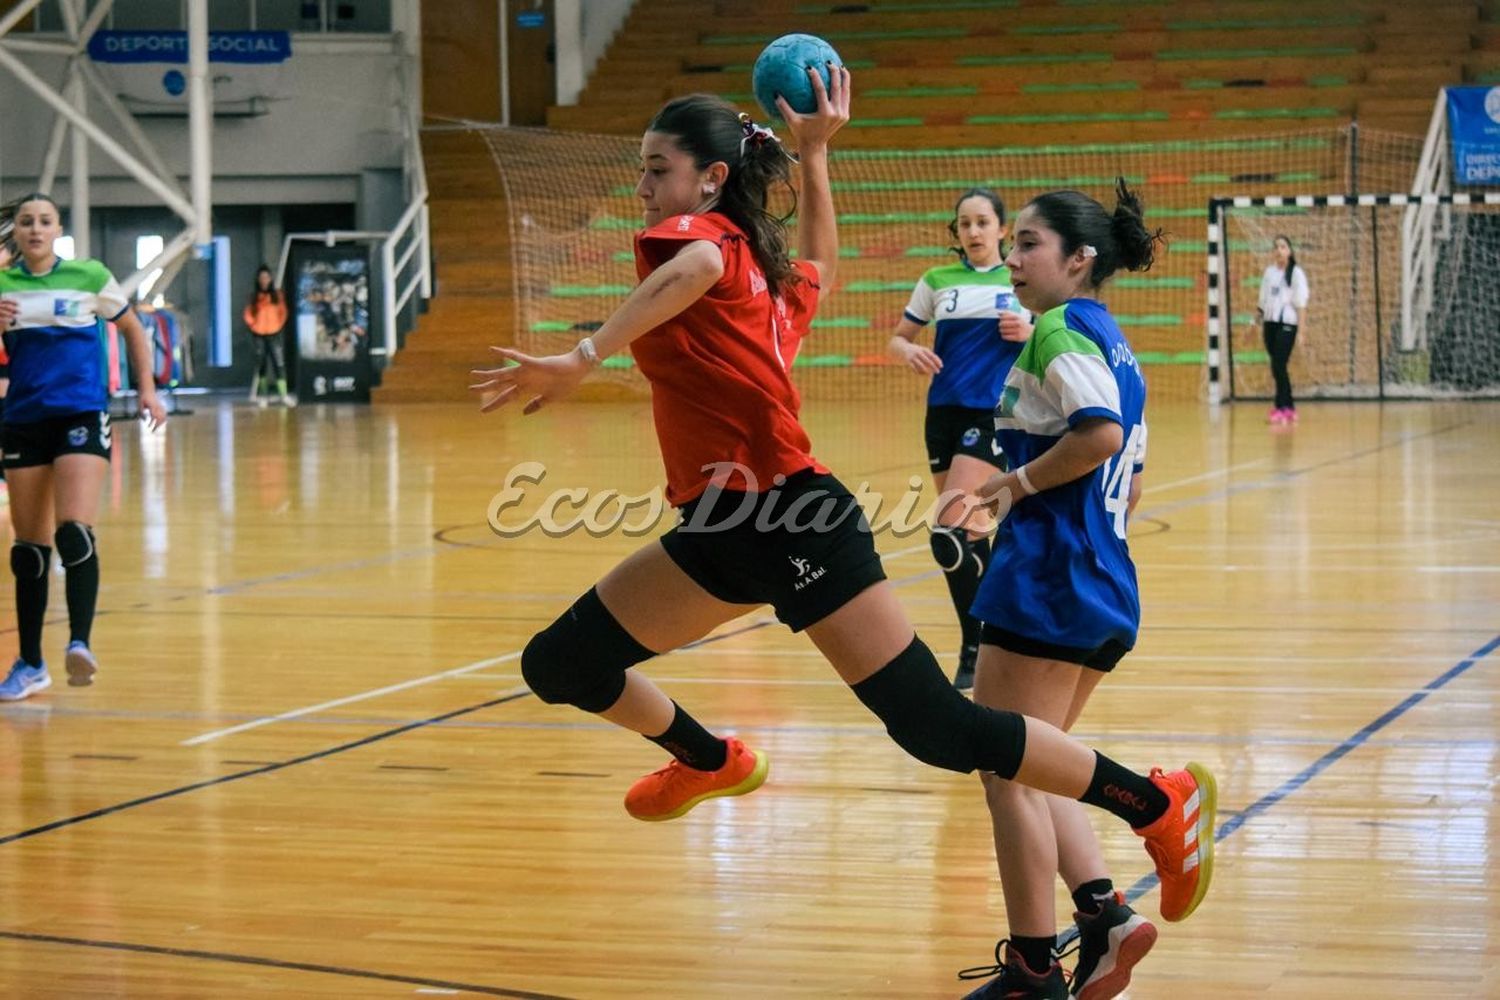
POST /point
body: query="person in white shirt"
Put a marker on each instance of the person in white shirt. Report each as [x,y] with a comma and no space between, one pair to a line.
[1283,296]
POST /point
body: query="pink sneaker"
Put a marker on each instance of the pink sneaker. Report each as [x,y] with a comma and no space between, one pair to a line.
[1289,416]
[1275,416]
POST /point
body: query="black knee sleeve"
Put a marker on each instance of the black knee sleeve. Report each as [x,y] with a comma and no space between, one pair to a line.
[936,724]
[581,658]
[29,561]
[950,547]
[75,543]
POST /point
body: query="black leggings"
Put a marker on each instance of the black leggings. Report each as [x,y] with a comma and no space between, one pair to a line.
[1280,338]
[270,362]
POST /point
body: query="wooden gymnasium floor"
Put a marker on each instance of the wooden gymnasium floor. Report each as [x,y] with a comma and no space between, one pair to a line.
[308,768]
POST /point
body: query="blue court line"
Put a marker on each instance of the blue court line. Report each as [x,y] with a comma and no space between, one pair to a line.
[1274,797]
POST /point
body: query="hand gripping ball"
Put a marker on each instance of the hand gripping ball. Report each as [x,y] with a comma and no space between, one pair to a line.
[782,68]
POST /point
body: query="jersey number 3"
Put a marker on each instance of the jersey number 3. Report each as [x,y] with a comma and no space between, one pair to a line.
[1117,480]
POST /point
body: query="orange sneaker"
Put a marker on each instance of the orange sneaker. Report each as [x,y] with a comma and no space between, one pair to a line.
[1181,842]
[676,788]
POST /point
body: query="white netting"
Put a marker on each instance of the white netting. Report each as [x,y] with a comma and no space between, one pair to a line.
[573,212]
[1354,340]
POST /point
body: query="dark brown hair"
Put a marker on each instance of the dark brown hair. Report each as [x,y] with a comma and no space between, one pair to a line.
[710,130]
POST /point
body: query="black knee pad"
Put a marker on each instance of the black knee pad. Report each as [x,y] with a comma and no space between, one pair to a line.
[950,547]
[581,658]
[75,543]
[935,723]
[29,561]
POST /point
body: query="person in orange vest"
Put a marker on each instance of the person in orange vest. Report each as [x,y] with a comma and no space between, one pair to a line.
[265,315]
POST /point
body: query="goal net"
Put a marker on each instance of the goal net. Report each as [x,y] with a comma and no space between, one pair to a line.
[573,212]
[1359,336]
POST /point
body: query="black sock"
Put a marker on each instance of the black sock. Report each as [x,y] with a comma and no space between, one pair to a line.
[1036,952]
[82,588]
[31,606]
[1089,898]
[690,743]
[963,584]
[1128,795]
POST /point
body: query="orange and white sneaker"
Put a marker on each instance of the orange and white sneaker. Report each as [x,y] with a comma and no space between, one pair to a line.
[676,788]
[1181,841]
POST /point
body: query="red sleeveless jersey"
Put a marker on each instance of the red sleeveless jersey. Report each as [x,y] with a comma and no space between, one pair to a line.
[720,371]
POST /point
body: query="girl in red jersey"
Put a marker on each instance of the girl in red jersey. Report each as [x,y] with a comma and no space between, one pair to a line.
[712,324]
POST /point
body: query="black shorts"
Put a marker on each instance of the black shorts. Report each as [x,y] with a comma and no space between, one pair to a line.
[42,442]
[804,548]
[1102,659]
[959,430]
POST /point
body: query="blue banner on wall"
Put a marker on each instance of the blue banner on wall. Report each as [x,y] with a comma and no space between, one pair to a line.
[1474,124]
[172,46]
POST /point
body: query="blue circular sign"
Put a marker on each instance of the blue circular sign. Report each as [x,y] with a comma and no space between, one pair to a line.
[174,83]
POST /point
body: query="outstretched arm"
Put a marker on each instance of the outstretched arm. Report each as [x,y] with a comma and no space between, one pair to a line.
[666,292]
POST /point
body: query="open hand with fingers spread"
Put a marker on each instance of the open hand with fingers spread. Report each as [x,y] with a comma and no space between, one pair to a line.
[537,380]
[832,114]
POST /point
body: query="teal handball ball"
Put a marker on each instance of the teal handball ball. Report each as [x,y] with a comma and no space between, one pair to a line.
[782,68]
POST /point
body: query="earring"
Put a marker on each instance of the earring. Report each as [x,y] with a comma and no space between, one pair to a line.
[709,189]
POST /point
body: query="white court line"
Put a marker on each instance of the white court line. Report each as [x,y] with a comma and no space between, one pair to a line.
[351,699]
[1215,474]
[905,552]
[1457,569]
[416,682]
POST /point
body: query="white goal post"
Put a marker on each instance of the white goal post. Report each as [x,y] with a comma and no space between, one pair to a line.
[1405,301]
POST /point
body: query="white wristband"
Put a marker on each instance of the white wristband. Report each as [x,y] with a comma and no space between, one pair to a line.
[1025,481]
[590,355]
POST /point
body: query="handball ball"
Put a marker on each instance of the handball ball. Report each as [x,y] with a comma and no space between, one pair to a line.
[782,69]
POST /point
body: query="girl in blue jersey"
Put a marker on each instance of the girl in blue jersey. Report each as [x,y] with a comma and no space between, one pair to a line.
[56,437]
[980,330]
[1060,606]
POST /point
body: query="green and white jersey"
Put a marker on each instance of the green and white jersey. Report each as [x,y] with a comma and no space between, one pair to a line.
[1062,568]
[56,358]
[967,303]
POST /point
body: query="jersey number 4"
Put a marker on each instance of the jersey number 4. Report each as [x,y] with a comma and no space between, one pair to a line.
[1117,480]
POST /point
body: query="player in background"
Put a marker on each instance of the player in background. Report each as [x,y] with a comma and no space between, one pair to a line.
[56,438]
[980,328]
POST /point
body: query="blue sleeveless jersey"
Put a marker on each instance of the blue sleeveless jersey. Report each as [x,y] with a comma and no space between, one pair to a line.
[1061,571]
